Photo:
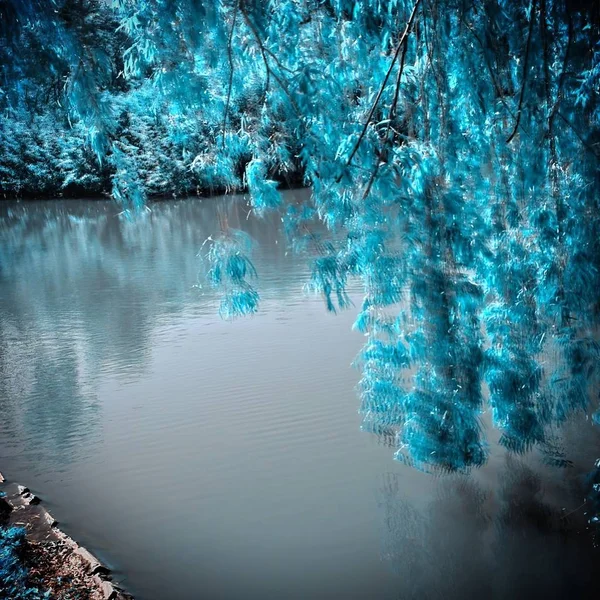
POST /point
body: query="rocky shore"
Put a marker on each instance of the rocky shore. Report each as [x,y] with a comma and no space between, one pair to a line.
[55,563]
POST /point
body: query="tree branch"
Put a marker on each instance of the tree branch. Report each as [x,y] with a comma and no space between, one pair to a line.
[497,87]
[585,144]
[399,47]
[230,57]
[525,66]
[263,52]
[561,79]
[392,114]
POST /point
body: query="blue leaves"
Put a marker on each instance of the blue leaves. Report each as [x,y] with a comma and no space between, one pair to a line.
[441,432]
[234,267]
[239,303]
[385,356]
[263,191]
[127,188]
[329,277]
[230,267]
[13,572]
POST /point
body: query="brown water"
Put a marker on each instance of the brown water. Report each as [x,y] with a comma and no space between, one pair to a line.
[209,459]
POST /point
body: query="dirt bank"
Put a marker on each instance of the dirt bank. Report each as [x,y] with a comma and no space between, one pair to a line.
[55,562]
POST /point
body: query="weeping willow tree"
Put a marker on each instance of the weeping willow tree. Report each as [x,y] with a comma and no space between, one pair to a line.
[451,149]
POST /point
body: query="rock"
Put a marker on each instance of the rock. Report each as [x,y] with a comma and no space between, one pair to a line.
[92,564]
[68,542]
[30,498]
[18,496]
[107,588]
[63,558]
[5,508]
[48,518]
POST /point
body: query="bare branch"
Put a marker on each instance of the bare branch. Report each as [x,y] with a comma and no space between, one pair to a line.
[230,57]
[525,67]
[399,47]
[263,52]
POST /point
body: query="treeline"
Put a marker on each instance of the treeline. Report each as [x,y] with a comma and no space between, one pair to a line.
[45,155]
[47,145]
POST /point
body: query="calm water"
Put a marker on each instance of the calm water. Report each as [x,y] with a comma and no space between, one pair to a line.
[208,459]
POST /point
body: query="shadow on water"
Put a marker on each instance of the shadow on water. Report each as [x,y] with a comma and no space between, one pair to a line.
[475,541]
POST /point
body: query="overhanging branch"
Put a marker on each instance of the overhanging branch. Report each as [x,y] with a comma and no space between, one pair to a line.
[399,47]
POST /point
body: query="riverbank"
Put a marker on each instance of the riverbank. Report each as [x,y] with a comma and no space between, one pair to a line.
[50,560]
[37,191]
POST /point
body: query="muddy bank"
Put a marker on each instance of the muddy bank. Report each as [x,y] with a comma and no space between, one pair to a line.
[54,561]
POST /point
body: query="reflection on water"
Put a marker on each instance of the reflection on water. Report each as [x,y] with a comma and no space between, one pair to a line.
[206,459]
[470,541]
[72,297]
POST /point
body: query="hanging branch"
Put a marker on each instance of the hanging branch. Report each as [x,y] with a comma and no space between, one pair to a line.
[495,82]
[550,133]
[525,66]
[561,79]
[584,143]
[392,114]
[399,47]
[230,57]
[261,46]
[263,52]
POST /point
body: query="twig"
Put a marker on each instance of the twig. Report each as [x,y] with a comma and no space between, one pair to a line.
[278,62]
[261,47]
[382,88]
[525,66]
[386,139]
[573,511]
[392,114]
[489,67]
[230,57]
[584,142]
[269,71]
[561,79]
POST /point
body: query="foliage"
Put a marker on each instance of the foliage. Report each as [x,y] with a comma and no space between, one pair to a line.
[13,573]
[229,257]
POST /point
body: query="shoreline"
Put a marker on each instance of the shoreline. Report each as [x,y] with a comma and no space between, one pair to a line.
[55,562]
[296,182]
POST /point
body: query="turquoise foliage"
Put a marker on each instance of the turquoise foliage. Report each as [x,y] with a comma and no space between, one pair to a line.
[263,191]
[230,267]
[13,573]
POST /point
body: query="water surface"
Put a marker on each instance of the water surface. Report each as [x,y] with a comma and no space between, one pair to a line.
[207,459]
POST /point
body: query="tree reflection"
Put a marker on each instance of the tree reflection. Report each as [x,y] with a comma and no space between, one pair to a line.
[83,292]
[473,540]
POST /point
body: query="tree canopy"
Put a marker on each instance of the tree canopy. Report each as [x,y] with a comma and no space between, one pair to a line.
[451,149]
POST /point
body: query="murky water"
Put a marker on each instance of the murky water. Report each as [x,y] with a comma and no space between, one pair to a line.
[208,459]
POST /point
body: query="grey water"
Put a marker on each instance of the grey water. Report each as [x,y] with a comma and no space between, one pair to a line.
[205,459]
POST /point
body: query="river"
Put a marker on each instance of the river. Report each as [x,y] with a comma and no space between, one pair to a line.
[205,459]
